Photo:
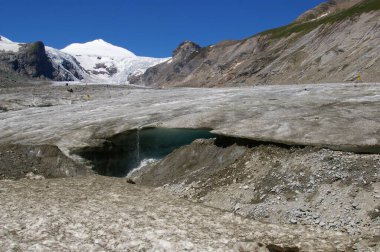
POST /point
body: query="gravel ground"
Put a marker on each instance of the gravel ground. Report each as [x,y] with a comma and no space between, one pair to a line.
[108,214]
[329,189]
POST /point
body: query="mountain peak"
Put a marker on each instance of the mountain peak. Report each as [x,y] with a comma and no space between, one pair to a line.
[187,48]
[98,47]
[4,39]
[98,41]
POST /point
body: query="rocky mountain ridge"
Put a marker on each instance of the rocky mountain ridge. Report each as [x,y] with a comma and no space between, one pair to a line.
[337,41]
[326,8]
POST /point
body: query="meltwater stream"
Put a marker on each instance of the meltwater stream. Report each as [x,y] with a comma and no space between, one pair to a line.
[124,152]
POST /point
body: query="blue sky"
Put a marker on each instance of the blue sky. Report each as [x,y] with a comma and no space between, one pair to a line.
[145,27]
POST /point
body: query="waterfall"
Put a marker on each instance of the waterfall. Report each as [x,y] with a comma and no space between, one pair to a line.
[138,146]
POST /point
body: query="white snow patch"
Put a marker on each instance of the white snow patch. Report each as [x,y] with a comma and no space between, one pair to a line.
[8,46]
[98,47]
[6,40]
[321,16]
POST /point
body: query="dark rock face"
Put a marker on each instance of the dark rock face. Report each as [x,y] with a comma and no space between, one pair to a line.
[31,61]
[103,69]
[34,62]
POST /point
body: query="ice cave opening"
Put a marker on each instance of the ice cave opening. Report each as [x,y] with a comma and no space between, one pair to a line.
[126,151]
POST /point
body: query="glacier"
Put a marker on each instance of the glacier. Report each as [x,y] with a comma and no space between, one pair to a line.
[107,63]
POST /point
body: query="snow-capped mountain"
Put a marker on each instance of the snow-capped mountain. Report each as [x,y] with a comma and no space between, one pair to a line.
[108,63]
[95,62]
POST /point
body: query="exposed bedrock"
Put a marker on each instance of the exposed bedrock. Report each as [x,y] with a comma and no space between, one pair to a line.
[31,61]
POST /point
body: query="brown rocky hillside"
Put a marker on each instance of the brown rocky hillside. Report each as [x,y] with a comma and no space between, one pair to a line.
[337,41]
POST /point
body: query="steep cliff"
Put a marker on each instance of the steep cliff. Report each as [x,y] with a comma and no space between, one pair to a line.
[30,60]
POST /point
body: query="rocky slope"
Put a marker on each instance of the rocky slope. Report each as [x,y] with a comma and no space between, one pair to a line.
[107,214]
[335,42]
[329,189]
